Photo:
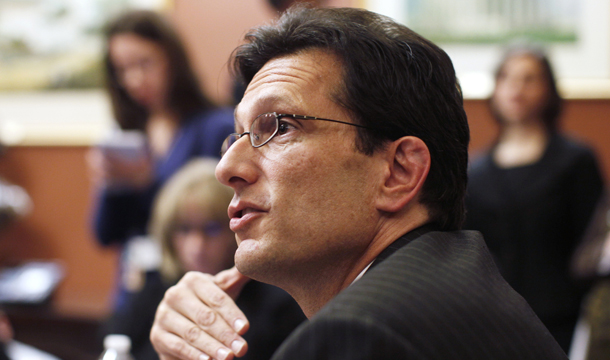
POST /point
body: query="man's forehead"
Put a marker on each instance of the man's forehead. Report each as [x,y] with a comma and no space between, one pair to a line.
[284,80]
[306,68]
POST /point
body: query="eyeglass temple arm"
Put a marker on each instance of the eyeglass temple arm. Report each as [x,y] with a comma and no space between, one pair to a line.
[305,117]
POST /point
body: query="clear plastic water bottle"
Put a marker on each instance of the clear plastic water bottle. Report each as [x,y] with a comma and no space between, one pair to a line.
[117,347]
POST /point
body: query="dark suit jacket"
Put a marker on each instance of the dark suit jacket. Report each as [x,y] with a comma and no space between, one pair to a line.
[430,295]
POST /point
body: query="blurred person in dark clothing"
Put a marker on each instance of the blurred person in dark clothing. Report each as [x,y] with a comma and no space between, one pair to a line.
[533,193]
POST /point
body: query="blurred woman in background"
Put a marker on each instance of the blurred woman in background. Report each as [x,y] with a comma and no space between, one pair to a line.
[191,226]
[153,91]
[533,193]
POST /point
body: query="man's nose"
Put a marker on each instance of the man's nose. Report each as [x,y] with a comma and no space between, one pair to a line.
[237,166]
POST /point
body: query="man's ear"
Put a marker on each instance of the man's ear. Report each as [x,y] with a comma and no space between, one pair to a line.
[409,163]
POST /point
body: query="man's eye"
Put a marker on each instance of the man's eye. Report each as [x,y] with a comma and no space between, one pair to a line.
[283,127]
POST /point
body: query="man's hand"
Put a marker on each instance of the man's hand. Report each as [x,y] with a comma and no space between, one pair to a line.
[198,318]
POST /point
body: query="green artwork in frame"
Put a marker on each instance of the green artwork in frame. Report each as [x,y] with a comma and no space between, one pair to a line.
[55,44]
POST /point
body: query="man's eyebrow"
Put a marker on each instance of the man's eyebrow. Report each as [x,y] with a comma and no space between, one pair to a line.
[273,102]
[267,103]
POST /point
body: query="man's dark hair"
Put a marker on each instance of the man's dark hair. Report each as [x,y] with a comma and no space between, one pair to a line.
[552,109]
[184,94]
[283,5]
[395,83]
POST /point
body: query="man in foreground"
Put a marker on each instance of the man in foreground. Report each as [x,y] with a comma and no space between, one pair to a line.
[349,172]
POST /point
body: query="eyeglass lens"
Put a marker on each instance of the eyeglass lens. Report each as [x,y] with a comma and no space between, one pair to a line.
[230,140]
[263,128]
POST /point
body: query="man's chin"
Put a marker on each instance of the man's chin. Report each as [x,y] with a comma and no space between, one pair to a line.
[247,257]
[247,246]
[255,262]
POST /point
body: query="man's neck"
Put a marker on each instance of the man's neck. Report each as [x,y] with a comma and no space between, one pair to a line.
[390,230]
[314,292]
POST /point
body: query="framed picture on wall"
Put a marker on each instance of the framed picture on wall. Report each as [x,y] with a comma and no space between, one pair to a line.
[51,68]
[576,34]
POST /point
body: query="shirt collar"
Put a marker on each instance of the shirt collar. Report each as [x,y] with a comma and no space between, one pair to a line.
[362,272]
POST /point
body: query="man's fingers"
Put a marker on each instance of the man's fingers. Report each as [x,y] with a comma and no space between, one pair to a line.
[177,336]
[168,345]
[206,291]
[210,309]
[231,281]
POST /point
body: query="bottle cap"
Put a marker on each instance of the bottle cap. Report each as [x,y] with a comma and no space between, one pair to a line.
[121,343]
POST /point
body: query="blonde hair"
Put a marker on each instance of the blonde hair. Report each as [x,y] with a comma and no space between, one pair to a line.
[196,184]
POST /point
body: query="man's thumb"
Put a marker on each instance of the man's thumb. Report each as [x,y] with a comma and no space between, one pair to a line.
[231,281]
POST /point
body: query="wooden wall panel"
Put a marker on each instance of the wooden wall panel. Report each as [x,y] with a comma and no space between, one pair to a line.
[58,227]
